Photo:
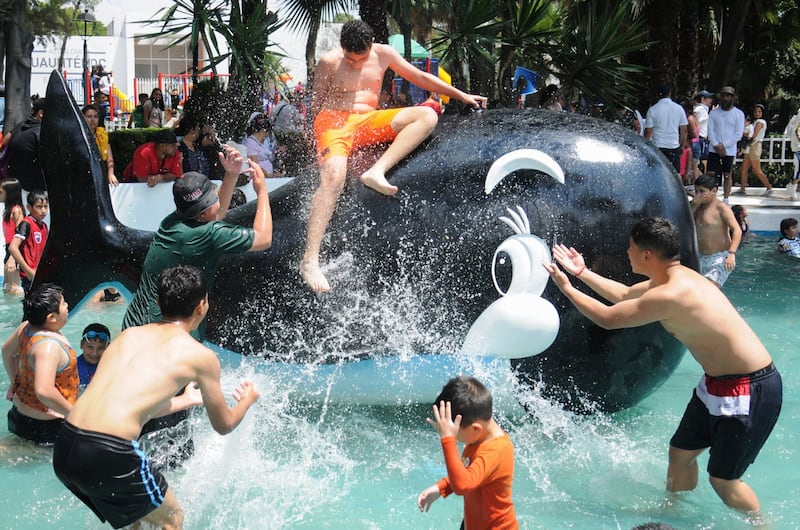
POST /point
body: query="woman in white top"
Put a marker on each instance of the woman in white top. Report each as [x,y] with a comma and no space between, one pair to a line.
[259,143]
[753,157]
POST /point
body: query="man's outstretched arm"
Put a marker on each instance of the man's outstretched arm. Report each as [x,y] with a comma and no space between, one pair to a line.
[624,314]
[572,261]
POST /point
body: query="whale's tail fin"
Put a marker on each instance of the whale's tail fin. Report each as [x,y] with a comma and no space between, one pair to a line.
[87,245]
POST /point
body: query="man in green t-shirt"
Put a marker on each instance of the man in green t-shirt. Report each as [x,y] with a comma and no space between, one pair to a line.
[196,235]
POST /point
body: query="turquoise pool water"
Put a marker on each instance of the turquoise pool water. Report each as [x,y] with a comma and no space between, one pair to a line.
[314,465]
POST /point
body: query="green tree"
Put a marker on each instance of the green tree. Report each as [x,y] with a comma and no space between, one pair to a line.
[198,16]
[307,15]
[588,57]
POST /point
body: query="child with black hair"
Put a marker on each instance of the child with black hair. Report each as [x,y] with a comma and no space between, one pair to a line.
[94,341]
[30,238]
[13,214]
[485,471]
[41,366]
[788,243]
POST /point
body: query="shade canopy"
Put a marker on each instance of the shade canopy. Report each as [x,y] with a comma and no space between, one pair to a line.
[417,51]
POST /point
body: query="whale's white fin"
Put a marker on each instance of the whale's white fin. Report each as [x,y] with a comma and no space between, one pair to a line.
[522,159]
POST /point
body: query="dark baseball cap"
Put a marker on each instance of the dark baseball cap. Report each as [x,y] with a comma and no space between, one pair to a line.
[193,193]
[704,94]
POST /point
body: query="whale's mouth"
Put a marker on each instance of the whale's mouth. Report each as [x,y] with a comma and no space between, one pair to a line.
[522,159]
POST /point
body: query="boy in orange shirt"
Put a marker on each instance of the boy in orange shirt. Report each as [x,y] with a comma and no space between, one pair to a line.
[484,472]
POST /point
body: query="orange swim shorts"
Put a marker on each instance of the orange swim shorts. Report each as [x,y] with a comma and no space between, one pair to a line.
[338,132]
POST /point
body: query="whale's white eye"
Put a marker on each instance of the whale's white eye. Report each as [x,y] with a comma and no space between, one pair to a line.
[503,271]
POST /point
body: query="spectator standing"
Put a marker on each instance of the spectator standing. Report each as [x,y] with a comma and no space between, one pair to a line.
[704,98]
[22,151]
[92,116]
[30,238]
[137,116]
[725,128]
[792,132]
[259,143]
[285,116]
[13,214]
[753,156]
[666,126]
[153,109]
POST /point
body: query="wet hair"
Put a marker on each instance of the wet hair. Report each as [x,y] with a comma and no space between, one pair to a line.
[13,190]
[41,301]
[97,327]
[468,397]
[180,289]
[657,235]
[35,196]
[356,36]
[653,526]
[738,212]
[707,181]
[786,224]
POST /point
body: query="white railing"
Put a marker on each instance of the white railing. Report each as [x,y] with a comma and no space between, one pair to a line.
[775,150]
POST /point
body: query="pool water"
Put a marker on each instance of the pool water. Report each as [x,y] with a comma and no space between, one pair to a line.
[315,465]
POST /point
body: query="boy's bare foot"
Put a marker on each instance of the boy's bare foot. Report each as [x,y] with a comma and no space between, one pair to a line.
[313,277]
[377,181]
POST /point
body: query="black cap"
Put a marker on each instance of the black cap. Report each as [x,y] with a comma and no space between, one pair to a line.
[664,89]
[193,193]
[704,94]
[165,136]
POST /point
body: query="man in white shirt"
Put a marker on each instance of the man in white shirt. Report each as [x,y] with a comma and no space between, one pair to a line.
[704,99]
[666,127]
[725,128]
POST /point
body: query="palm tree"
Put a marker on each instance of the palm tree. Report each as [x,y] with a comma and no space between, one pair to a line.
[307,15]
[588,58]
[199,15]
[467,42]
[532,25]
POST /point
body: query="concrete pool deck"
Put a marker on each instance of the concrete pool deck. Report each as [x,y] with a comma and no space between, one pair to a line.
[765,213]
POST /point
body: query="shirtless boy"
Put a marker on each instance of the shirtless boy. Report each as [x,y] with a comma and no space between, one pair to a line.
[347,87]
[96,454]
[738,400]
[718,232]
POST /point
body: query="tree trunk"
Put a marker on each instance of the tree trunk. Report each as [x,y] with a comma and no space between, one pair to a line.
[686,80]
[311,50]
[732,28]
[19,47]
[373,12]
[663,19]
[505,84]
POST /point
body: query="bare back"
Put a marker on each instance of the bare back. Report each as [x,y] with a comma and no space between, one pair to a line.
[136,378]
[698,314]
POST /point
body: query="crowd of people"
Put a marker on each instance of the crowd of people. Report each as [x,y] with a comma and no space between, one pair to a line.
[96,407]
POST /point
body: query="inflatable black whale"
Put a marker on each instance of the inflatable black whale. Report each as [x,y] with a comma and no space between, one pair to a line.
[410,273]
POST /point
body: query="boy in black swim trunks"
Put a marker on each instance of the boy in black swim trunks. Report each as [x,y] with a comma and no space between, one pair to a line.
[96,454]
[738,400]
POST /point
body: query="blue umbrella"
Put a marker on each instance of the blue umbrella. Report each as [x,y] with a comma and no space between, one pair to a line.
[530,77]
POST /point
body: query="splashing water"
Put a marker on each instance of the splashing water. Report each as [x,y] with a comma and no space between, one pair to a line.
[303,459]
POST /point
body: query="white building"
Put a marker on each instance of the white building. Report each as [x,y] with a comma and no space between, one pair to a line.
[129,56]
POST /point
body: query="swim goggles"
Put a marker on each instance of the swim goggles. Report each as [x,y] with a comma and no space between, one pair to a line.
[91,335]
